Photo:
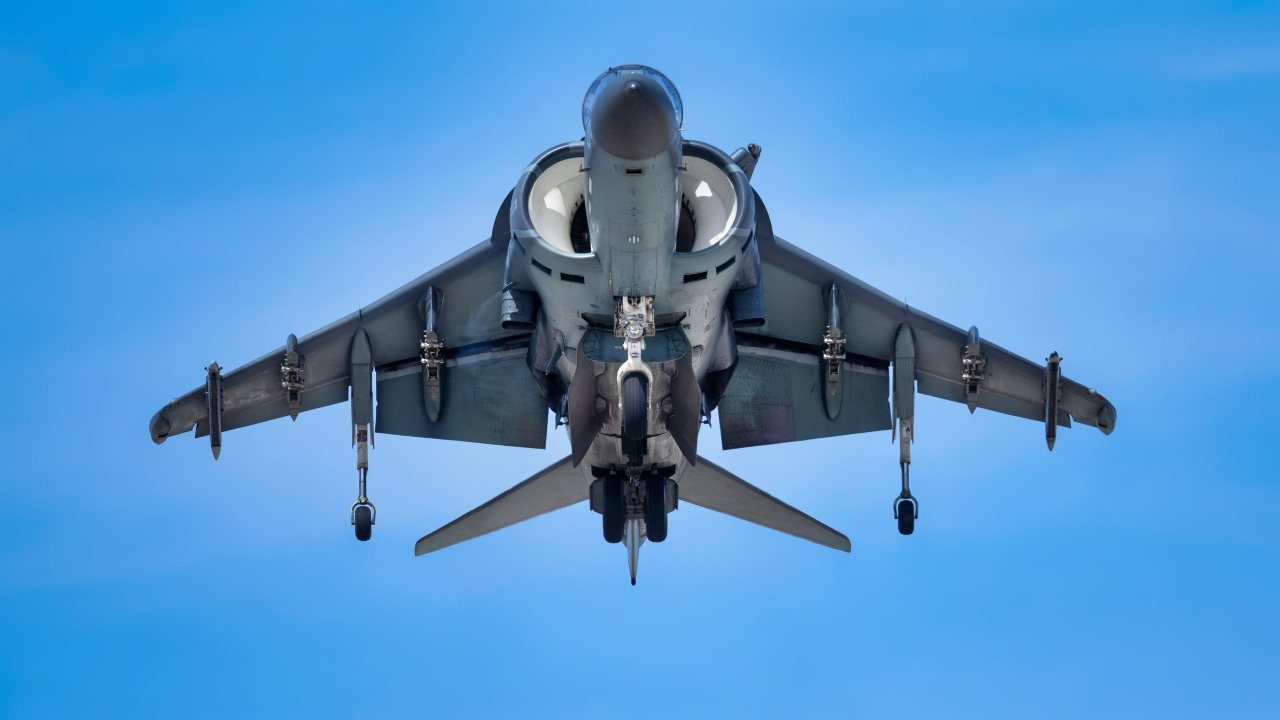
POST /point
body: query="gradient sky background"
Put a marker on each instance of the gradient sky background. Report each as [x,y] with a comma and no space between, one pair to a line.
[182,182]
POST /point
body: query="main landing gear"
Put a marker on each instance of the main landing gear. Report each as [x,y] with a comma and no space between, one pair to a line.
[634,507]
[636,498]
[655,508]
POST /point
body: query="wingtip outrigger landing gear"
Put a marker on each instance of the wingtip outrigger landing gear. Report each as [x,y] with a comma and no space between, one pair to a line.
[906,508]
[363,513]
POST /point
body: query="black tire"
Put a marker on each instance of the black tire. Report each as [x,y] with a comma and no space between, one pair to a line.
[906,517]
[364,522]
[635,416]
[615,510]
[655,509]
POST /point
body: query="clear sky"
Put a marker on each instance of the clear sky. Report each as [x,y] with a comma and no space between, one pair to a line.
[183,182]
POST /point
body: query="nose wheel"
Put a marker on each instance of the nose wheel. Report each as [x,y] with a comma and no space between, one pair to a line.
[635,417]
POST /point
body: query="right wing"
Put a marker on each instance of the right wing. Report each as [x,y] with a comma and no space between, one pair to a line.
[779,396]
[489,394]
[775,396]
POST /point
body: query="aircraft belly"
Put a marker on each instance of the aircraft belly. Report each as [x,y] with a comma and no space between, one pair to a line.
[606,452]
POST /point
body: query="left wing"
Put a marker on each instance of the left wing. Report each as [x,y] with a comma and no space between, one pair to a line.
[489,395]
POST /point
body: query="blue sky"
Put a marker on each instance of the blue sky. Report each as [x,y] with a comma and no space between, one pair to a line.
[183,182]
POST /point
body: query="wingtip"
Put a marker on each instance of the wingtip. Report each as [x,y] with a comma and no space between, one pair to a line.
[159,427]
[1107,417]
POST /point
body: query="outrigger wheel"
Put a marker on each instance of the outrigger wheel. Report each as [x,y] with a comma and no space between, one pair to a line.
[906,509]
[362,518]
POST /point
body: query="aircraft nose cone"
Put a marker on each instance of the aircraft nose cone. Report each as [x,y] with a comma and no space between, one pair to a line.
[632,117]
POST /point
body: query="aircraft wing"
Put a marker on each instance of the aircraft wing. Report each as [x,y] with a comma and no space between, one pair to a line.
[779,398]
[488,393]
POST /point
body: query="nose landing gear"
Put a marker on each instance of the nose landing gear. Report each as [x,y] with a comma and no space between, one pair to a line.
[635,417]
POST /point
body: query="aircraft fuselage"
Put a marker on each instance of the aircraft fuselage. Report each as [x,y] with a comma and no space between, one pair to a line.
[634,211]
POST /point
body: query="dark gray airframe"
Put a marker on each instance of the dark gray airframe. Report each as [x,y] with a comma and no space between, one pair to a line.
[632,285]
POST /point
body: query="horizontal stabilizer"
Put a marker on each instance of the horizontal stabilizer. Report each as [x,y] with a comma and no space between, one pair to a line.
[710,486]
[551,489]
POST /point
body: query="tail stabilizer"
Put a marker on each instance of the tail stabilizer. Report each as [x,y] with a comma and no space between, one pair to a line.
[710,486]
[558,486]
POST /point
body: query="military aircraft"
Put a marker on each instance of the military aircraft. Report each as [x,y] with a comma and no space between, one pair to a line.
[631,286]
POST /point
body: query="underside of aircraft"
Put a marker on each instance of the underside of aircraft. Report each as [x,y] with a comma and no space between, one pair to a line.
[631,288]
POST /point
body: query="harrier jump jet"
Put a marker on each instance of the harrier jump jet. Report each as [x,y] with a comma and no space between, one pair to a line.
[631,287]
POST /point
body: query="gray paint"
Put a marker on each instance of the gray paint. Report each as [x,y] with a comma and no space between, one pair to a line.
[361,379]
[558,486]
[714,488]
[528,327]
[776,396]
